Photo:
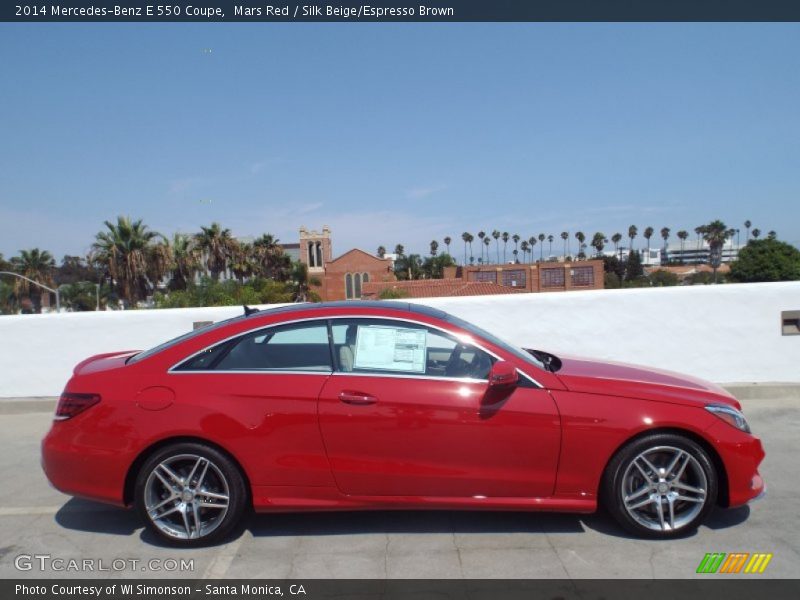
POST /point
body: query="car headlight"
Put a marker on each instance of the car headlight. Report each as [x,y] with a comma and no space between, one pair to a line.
[730,415]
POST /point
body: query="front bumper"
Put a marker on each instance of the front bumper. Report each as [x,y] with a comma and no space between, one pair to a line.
[741,455]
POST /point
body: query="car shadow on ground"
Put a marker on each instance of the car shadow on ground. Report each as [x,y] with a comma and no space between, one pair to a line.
[84,515]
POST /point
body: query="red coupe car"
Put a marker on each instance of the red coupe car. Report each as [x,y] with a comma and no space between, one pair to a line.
[384,405]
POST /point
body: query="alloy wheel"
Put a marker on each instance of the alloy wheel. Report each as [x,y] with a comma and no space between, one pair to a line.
[186,496]
[664,488]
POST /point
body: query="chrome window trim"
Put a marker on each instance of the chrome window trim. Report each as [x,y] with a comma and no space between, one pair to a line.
[468,339]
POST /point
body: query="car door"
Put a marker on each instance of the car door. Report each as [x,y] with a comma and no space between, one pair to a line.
[257,395]
[406,413]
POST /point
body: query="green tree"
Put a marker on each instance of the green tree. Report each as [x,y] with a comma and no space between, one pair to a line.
[465,236]
[632,232]
[648,233]
[766,260]
[496,236]
[216,244]
[616,239]
[434,247]
[185,261]
[35,264]
[581,237]
[447,241]
[433,266]
[663,278]
[481,237]
[756,233]
[565,237]
[633,266]
[381,251]
[598,242]
[302,285]
[715,234]
[505,237]
[682,235]
[747,226]
[125,249]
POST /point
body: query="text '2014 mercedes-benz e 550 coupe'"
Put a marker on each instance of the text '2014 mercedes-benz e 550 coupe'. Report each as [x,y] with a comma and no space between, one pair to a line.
[386,405]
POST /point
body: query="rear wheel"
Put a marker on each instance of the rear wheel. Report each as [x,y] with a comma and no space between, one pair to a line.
[190,494]
[661,486]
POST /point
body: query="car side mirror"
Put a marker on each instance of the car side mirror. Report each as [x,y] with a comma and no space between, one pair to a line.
[503,374]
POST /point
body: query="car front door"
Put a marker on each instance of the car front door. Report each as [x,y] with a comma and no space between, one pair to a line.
[406,413]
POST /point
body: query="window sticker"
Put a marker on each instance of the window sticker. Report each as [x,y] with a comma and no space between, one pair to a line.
[390,348]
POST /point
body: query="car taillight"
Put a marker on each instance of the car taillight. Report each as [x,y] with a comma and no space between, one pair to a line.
[70,404]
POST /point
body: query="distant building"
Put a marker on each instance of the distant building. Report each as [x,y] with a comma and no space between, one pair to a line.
[694,253]
[341,278]
[475,280]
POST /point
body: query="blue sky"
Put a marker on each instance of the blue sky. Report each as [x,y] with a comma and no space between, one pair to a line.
[396,133]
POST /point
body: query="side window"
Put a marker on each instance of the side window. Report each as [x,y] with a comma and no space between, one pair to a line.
[398,347]
[301,347]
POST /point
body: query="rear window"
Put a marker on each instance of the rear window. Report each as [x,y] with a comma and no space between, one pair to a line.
[182,338]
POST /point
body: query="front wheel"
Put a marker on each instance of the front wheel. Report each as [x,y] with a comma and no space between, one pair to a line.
[660,486]
[190,494]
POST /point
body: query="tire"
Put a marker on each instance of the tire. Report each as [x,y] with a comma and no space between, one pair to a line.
[190,494]
[651,475]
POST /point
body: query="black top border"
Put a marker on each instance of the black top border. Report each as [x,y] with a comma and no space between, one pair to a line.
[216,11]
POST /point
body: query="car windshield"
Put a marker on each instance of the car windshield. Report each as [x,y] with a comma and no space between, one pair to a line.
[181,338]
[490,337]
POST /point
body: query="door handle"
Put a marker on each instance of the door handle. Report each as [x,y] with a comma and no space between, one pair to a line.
[358,398]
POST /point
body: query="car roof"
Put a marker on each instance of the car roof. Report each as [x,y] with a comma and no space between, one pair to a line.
[356,305]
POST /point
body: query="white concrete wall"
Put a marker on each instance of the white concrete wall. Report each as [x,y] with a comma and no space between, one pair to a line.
[726,333]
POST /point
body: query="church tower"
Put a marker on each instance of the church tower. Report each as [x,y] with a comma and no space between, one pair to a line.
[315,248]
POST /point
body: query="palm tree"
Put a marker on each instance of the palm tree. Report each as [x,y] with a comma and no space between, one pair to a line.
[525,248]
[486,242]
[434,247]
[269,258]
[531,245]
[496,236]
[185,261]
[301,283]
[447,241]
[616,239]
[465,237]
[550,239]
[37,265]
[124,249]
[216,245]
[581,237]
[565,237]
[632,232]
[756,233]
[682,235]
[381,251]
[665,236]
[699,231]
[240,260]
[747,225]
[715,234]
[515,238]
[542,238]
[648,233]
[505,237]
[471,239]
[400,250]
[598,242]
[481,235]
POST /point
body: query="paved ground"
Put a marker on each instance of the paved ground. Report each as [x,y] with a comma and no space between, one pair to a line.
[35,519]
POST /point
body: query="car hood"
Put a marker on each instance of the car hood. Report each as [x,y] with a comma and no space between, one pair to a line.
[632,381]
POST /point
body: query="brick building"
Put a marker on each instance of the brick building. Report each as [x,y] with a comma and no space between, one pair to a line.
[479,280]
[357,274]
[341,278]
